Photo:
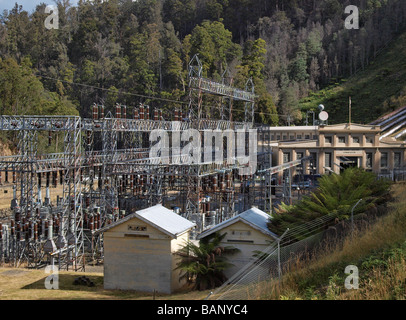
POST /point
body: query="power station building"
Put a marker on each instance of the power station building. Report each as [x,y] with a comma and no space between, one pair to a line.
[335,147]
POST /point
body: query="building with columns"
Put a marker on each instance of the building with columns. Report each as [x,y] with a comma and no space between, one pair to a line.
[334,147]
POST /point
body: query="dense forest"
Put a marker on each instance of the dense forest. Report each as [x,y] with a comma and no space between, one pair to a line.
[131,52]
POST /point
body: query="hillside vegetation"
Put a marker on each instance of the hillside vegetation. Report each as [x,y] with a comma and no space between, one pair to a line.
[379,252]
[131,52]
[378,89]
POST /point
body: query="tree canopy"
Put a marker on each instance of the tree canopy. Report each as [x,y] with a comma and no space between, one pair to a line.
[142,48]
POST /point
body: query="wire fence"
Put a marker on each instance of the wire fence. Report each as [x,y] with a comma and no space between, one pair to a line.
[303,242]
[396,175]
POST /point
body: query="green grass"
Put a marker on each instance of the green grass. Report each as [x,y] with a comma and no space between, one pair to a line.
[379,89]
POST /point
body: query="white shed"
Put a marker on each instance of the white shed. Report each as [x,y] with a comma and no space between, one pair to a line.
[248,232]
[138,250]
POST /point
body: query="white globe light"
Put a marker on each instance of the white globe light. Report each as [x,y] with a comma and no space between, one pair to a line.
[323,116]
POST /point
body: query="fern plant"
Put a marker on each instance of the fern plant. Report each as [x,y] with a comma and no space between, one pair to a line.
[335,196]
[204,264]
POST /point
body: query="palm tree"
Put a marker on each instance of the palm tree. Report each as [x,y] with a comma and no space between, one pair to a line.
[204,264]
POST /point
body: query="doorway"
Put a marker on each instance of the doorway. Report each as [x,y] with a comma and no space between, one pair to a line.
[349,162]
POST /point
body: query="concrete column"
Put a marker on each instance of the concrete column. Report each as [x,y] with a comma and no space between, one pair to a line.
[376,165]
[348,141]
[293,158]
[364,156]
[321,161]
[403,161]
[391,159]
[376,141]
[322,140]
[334,140]
[280,161]
[306,168]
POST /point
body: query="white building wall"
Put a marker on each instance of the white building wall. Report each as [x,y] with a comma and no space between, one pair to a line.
[140,261]
[137,264]
[246,243]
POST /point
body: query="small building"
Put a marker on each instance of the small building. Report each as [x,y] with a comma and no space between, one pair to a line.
[247,232]
[139,250]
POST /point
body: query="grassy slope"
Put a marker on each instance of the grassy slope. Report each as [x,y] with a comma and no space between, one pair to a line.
[377,90]
[29,284]
[379,253]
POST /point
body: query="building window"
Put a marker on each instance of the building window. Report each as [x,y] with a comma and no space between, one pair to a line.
[398,160]
[284,138]
[341,139]
[327,157]
[328,140]
[278,138]
[355,139]
[307,136]
[272,138]
[369,140]
[369,160]
[286,157]
[313,161]
[299,155]
[292,138]
[299,136]
[384,160]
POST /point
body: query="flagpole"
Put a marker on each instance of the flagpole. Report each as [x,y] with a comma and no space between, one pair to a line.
[349,113]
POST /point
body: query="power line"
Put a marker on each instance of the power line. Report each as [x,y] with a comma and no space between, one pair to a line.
[140,95]
[111,90]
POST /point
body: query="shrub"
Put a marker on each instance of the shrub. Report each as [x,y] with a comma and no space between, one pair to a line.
[336,197]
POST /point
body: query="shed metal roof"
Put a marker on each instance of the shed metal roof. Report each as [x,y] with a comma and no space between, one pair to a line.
[159,217]
[165,220]
[254,217]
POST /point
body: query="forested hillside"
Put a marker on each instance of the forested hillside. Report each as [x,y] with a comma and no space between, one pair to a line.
[378,89]
[124,51]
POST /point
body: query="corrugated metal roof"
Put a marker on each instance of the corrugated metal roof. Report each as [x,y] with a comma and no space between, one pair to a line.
[165,220]
[160,217]
[254,217]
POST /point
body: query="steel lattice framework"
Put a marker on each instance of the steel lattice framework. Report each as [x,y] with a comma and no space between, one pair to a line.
[106,171]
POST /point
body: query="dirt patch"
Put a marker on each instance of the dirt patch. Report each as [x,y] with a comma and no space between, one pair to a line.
[7,193]
[14,272]
[94,269]
[5,149]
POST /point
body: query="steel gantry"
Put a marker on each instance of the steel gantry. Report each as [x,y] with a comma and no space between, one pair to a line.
[109,165]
